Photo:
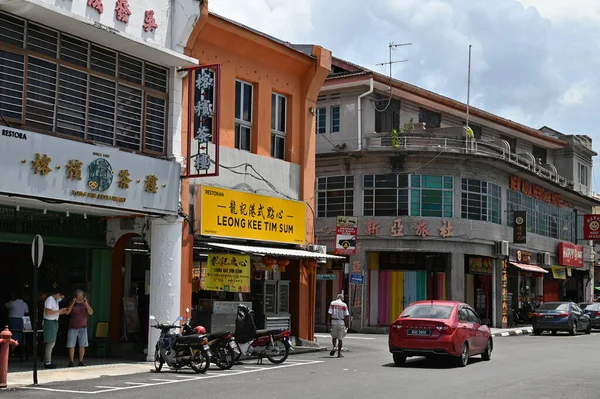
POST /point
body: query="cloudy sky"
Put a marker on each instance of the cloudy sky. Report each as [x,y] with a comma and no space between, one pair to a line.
[534,61]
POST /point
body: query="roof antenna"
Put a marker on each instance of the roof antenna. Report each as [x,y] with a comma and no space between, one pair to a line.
[391,46]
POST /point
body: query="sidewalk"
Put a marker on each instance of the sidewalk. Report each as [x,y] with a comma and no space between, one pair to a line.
[511,332]
[98,368]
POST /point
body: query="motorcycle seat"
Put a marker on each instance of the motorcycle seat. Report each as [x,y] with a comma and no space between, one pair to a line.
[273,331]
[217,334]
[188,339]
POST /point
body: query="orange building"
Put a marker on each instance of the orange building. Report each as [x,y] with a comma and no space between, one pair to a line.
[265,96]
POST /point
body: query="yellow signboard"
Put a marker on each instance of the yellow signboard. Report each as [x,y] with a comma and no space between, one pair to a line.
[559,273]
[226,272]
[237,214]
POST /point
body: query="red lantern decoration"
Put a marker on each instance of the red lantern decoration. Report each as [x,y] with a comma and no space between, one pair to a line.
[282,263]
[312,263]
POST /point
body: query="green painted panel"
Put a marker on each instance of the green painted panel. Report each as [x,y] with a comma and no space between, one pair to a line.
[100,292]
[51,241]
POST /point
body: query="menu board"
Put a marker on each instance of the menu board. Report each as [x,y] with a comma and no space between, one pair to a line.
[132,318]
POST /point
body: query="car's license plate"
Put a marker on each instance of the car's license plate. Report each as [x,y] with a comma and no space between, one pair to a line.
[419,332]
[549,317]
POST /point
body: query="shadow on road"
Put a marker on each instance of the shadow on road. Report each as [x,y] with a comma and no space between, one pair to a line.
[423,363]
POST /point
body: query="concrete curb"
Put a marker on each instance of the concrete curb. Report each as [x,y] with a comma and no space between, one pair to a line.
[513,333]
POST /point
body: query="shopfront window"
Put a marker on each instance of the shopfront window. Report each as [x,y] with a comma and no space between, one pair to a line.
[481,201]
[414,195]
[57,83]
[543,218]
[335,196]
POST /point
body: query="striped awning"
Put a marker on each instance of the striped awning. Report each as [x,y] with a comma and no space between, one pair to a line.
[529,268]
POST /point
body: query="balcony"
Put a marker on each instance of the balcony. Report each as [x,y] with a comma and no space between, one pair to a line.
[452,140]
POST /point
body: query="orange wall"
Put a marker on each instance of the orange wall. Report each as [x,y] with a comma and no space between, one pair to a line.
[270,67]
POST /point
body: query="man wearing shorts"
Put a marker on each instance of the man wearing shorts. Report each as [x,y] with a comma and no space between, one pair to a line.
[79,309]
[338,319]
[51,313]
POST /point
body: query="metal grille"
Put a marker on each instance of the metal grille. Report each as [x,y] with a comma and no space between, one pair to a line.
[72,102]
[156,77]
[42,40]
[74,50]
[13,30]
[103,60]
[129,117]
[11,84]
[156,119]
[101,125]
[53,224]
[41,92]
[130,69]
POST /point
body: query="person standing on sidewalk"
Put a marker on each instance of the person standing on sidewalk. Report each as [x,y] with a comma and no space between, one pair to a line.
[79,309]
[338,320]
[17,309]
[51,313]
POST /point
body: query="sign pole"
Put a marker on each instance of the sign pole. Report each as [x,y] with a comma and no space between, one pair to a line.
[37,253]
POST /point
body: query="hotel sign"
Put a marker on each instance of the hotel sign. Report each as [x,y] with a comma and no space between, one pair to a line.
[531,190]
[47,167]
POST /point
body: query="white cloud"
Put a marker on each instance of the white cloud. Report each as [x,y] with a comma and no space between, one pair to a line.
[533,61]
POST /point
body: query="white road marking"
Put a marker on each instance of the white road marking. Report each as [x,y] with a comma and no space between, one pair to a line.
[162,380]
[137,383]
[168,382]
[106,387]
[346,337]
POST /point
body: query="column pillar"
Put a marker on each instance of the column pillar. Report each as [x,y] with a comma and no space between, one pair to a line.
[456,268]
[165,275]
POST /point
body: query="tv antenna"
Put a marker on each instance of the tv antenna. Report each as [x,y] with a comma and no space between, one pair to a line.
[391,47]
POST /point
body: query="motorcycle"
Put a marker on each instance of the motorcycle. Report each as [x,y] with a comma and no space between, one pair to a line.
[178,350]
[222,344]
[273,344]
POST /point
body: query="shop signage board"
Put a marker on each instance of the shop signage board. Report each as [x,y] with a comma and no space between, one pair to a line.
[52,168]
[559,273]
[332,276]
[519,227]
[591,227]
[481,265]
[227,272]
[570,255]
[237,214]
[537,192]
[357,279]
[346,232]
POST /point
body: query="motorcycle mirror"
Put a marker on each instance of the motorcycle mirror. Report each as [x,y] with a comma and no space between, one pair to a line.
[179,318]
[152,318]
[187,310]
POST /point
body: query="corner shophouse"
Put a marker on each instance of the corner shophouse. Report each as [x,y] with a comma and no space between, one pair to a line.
[90,152]
[435,216]
[263,144]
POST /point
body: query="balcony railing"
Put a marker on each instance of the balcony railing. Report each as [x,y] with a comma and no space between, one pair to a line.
[499,149]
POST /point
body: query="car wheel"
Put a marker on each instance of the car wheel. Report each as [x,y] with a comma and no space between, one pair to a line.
[399,359]
[537,331]
[463,359]
[573,330]
[554,332]
[487,355]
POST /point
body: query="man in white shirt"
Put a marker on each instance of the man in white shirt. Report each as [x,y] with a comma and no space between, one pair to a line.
[337,321]
[17,309]
[51,313]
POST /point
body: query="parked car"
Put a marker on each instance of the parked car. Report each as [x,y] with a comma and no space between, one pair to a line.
[560,316]
[593,311]
[440,329]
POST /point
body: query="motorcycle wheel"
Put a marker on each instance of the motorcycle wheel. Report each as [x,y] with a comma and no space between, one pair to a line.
[199,363]
[225,358]
[277,353]
[158,360]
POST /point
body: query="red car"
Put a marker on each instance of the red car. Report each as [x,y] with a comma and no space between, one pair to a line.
[440,328]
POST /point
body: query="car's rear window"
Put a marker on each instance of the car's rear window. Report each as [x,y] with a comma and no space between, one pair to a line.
[554,306]
[425,311]
[591,306]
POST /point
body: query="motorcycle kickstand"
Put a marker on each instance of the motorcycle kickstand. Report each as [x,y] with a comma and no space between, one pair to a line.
[260,360]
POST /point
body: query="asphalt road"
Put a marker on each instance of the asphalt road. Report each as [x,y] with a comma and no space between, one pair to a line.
[521,367]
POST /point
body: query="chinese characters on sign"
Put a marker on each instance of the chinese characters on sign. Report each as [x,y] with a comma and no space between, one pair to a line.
[41,164]
[481,265]
[520,227]
[372,228]
[204,112]
[230,213]
[531,190]
[149,21]
[397,229]
[124,179]
[74,169]
[122,10]
[151,184]
[421,229]
[346,232]
[96,5]
[226,272]
[446,229]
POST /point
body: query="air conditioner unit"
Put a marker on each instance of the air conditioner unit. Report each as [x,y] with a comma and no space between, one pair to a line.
[544,258]
[320,249]
[501,248]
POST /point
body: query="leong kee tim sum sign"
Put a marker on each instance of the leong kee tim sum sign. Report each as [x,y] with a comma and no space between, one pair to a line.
[238,214]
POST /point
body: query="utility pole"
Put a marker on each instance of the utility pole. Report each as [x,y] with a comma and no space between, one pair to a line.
[393,46]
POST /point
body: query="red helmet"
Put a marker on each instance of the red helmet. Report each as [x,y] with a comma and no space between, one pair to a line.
[200,330]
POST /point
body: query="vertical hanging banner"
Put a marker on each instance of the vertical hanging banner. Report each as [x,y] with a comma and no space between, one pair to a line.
[203,121]
[346,230]
[519,227]
[591,227]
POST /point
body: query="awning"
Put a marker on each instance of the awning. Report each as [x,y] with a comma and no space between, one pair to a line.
[275,251]
[529,268]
